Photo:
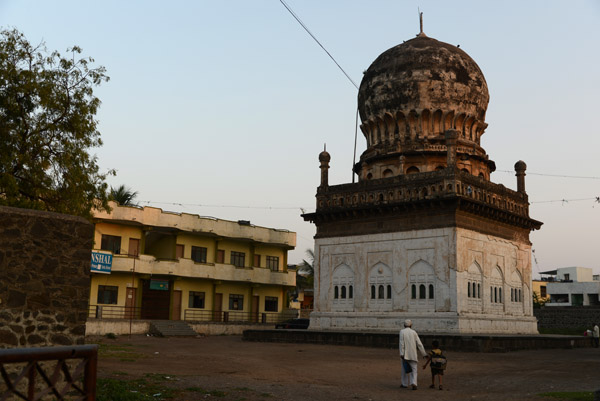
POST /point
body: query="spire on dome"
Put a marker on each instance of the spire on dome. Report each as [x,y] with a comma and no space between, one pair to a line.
[421,33]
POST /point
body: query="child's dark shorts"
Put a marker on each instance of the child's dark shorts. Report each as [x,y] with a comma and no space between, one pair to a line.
[435,371]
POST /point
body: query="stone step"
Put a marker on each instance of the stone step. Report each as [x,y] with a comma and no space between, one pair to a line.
[167,328]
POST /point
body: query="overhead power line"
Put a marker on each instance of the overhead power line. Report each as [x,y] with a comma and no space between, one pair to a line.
[555,175]
[563,201]
[148,202]
[317,40]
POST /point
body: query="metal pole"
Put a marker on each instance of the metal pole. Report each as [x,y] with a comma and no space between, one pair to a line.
[355,135]
[132,292]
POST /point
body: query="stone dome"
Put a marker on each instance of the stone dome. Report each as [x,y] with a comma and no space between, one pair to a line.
[423,74]
[409,98]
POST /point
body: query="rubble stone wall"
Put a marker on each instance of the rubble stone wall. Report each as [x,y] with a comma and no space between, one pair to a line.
[569,317]
[44,278]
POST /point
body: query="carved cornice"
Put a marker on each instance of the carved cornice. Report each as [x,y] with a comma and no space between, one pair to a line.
[450,196]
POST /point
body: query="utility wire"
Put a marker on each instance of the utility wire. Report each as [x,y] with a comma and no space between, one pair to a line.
[555,175]
[563,201]
[317,40]
[148,202]
[595,199]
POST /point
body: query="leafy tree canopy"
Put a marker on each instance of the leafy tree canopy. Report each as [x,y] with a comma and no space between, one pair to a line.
[47,126]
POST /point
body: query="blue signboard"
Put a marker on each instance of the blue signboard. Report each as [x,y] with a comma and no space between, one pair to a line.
[162,285]
[101,262]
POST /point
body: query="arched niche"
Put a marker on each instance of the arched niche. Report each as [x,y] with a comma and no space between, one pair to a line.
[474,287]
[380,291]
[342,288]
[421,287]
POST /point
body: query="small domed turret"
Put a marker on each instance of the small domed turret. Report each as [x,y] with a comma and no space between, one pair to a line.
[324,157]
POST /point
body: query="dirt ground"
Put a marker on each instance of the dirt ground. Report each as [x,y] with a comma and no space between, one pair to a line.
[251,371]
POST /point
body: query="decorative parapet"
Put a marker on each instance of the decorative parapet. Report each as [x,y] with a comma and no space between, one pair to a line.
[429,186]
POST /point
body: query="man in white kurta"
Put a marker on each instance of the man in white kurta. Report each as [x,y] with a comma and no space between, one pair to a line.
[410,344]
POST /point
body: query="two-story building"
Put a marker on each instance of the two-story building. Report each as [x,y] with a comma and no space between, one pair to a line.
[572,286]
[152,264]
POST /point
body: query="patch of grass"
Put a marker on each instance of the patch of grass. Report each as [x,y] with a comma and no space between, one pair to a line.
[133,390]
[159,377]
[119,373]
[570,395]
[123,352]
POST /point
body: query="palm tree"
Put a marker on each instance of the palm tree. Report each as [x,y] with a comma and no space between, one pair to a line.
[306,268]
[123,196]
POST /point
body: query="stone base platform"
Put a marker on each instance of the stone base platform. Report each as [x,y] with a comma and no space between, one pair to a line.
[449,342]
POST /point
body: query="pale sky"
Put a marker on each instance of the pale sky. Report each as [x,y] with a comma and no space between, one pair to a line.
[220,108]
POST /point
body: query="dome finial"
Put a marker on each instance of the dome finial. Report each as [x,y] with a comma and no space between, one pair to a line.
[421,33]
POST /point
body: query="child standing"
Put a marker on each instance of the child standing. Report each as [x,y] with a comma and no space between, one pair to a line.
[438,363]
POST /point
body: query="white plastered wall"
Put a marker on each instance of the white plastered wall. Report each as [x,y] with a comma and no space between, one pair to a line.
[438,259]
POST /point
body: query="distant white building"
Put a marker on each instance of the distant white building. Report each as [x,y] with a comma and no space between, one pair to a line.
[572,286]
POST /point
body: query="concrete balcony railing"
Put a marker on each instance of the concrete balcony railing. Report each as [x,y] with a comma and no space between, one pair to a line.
[148,264]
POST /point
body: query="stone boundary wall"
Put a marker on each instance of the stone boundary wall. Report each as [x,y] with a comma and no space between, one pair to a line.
[102,327]
[449,342]
[221,329]
[568,317]
[44,277]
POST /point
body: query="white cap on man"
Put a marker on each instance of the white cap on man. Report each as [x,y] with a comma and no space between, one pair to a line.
[408,323]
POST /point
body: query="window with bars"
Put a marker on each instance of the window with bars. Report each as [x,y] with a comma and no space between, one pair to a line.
[238,259]
[236,302]
[271,304]
[199,254]
[108,294]
[273,263]
[196,300]
[111,243]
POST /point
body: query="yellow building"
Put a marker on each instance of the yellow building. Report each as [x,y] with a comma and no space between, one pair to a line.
[539,287]
[151,264]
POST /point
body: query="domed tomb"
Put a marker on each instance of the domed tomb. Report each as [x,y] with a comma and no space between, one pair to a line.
[408,241]
[409,97]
